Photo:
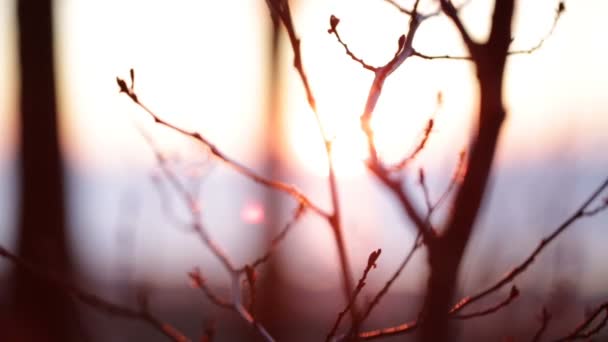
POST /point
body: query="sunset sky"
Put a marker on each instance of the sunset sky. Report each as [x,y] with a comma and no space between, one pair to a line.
[204,67]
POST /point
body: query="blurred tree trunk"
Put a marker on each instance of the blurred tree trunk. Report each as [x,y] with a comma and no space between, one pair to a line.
[39,312]
[272,288]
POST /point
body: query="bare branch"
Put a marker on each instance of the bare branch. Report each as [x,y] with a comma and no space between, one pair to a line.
[430,57]
[401,329]
[371,263]
[399,7]
[579,332]
[244,170]
[561,8]
[378,297]
[409,327]
[545,318]
[419,147]
[280,9]
[509,277]
[516,271]
[95,301]
[333,22]
[297,214]
[217,251]
[512,295]
[200,283]
[452,12]
[558,13]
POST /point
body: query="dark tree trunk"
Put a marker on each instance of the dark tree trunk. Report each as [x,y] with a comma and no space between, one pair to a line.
[38,311]
[271,308]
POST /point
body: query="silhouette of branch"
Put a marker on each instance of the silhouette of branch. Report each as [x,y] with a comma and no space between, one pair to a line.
[333,22]
[545,318]
[399,7]
[516,271]
[197,225]
[579,332]
[418,242]
[200,283]
[371,263]
[297,214]
[561,8]
[244,170]
[236,303]
[280,10]
[419,147]
[404,51]
[406,328]
[558,13]
[512,295]
[376,300]
[581,212]
[251,277]
[93,300]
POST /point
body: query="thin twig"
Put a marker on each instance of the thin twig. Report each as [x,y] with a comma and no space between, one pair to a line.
[405,50]
[297,214]
[509,277]
[333,22]
[545,318]
[579,332]
[561,8]
[376,300]
[280,10]
[419,147]
[371,263]
[93,300]
[512,295]
[244,170]
[197,225]
[409,327]
[516,271]
[199,282]
[558,13]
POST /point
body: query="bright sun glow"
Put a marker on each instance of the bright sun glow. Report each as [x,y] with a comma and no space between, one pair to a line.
[408,97]
[341,88]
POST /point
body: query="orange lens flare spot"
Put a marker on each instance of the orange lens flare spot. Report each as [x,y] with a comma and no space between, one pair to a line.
[252,213]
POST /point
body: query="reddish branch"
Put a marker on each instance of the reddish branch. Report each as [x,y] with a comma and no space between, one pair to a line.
[197,225]
[142,314]
[199,282]
[514,293]
[371,263]
[244,170]
[545,318]
[426,134]
[411,326]
[277,239]
[558,13]
[333,23]
[280,10]
[378,297]
[446,251]
[404,50]
[582,331]
[418,241]
[582,212]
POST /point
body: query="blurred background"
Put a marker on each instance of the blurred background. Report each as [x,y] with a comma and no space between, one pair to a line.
[222,69]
